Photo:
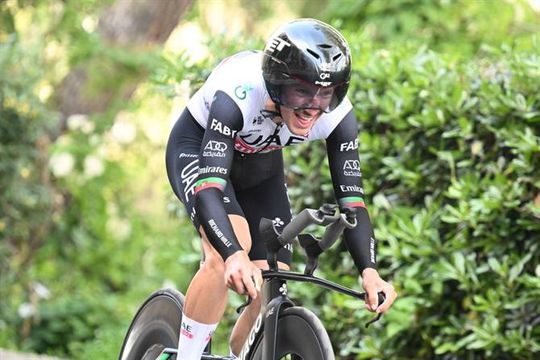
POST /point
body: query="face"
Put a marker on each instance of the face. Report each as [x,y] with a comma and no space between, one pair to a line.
[303,105]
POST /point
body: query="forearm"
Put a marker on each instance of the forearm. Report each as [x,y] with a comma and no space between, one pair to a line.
[215,222]
[361,243]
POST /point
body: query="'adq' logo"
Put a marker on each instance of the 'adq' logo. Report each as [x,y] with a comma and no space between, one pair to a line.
[352,168]
[351,165]
[216,146]
[215,149]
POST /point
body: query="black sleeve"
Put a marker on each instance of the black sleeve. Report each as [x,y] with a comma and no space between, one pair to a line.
[215,161]
[342,148]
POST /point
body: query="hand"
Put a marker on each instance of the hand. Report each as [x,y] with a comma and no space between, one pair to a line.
[372,284]
[241,275]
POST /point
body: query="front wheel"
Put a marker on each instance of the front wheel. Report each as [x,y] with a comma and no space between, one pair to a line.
[301,335]
[155,326]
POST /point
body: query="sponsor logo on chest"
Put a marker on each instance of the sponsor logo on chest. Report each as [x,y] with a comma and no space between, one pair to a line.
[254,142]
[241,91]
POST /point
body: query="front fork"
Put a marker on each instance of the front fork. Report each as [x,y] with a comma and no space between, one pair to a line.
[275,298]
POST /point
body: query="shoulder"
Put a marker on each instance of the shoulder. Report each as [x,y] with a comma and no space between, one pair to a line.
[240,77]
[328,122]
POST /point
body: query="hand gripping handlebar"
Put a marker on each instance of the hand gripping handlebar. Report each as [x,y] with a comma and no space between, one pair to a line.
[327,215]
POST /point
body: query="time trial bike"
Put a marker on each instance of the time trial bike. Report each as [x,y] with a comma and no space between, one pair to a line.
[281,330]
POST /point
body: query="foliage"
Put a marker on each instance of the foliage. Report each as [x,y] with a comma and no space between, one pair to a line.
[449,147]
[27,200]
[449,155]
[80,247]
[457,27]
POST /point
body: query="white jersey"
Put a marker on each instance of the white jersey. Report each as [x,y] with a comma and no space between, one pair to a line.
[240,77]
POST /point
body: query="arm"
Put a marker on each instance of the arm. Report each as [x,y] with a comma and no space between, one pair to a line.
[215,162]
[342,148]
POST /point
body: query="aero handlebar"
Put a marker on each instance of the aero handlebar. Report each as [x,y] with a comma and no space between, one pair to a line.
[326,215]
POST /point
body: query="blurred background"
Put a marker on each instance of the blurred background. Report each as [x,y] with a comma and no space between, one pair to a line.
[447,93]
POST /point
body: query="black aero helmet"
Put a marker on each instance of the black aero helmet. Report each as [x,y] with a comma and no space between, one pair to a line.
[307,51]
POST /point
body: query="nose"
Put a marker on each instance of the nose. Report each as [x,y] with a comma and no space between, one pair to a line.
[315,101]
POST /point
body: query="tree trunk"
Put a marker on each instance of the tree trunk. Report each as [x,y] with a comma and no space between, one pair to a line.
[128,25]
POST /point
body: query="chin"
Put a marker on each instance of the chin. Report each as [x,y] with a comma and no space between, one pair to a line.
[299,131]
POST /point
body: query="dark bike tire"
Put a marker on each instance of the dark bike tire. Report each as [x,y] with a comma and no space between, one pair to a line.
[157,323]
[300,335]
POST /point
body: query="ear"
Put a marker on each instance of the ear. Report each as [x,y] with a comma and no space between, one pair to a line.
[270,105]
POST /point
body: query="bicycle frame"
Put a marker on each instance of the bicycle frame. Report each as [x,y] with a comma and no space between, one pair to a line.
[274,289]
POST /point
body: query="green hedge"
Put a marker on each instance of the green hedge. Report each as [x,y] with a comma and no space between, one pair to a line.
[450,154]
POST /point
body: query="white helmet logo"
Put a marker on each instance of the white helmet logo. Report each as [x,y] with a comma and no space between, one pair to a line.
[324,76]
[325,66]
[323,83]
[276,44]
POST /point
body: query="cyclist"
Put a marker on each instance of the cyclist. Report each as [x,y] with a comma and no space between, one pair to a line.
[224,162]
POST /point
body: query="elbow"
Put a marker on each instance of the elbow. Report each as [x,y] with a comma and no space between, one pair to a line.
[206,199]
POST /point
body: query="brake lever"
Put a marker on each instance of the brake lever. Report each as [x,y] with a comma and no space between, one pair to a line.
[379,315]
[377,318]
[244,305]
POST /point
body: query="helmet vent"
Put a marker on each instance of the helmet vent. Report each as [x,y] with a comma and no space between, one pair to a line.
[324,46]
[336,57]
[313,53]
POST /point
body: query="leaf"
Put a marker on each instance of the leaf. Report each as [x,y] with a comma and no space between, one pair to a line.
[478,344]
[516,270]
[459,261]
[465,341]
[495,265]
[446,347]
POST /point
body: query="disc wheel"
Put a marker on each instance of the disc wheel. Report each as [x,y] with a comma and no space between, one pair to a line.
[156,325]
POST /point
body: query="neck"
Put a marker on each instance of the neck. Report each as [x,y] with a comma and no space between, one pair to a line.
[272,109]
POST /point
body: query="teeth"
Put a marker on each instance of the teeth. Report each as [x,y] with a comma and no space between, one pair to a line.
[304,117]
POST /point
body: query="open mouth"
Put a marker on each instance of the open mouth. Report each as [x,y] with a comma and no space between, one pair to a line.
[305,118]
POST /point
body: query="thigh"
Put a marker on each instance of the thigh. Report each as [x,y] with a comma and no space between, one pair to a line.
[269,200]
